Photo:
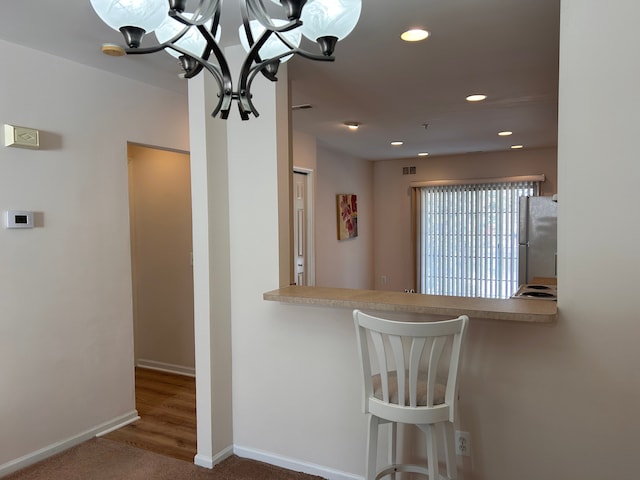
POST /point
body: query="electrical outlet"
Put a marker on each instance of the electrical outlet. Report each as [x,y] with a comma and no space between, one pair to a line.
[463,443]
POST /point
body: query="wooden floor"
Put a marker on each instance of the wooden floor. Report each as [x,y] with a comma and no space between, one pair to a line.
[166,404]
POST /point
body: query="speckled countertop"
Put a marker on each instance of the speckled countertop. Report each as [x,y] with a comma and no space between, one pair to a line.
[516,310]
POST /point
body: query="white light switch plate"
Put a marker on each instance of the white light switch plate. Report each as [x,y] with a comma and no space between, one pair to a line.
[22,137]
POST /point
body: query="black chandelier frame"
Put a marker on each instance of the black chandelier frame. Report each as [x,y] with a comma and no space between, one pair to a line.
[253,64]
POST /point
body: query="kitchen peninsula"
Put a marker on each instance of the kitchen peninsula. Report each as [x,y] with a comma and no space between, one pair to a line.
[517,310]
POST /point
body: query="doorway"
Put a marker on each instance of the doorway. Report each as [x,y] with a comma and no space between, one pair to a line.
[161,258]
[303,230]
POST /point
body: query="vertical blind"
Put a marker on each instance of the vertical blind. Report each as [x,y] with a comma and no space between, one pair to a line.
[467,241]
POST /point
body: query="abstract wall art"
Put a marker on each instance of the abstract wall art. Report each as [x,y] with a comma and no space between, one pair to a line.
[347,215]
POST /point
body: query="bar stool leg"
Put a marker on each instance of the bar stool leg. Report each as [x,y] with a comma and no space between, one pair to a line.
[450,450]
[432,452]
[393,441]
[372,447]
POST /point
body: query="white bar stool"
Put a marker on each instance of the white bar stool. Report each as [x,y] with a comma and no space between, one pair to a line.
[410,373]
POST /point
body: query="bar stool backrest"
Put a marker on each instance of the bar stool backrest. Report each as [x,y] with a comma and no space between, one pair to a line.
[410,369]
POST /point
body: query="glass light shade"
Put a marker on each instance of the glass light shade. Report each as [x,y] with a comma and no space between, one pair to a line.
[145,14]
[330,18]
[273,46]
[192,41]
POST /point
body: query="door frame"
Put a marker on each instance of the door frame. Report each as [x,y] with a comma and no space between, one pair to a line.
[143,362]
[310,267]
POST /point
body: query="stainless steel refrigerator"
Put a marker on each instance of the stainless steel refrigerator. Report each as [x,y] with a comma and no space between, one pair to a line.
[537,238]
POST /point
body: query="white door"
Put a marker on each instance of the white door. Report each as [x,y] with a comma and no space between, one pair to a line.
[300,232]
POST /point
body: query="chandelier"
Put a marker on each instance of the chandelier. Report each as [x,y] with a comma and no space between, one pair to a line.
[193,37]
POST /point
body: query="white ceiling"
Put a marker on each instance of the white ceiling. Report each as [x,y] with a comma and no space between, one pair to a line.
[507,49]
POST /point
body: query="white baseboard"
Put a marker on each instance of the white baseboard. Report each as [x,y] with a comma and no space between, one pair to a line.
[166,367]
[126,422]
[53,449]
[200,460]
[295,465]
[203,461]
[209,462]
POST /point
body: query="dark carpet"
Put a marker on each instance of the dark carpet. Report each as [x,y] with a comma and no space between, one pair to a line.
[102,459]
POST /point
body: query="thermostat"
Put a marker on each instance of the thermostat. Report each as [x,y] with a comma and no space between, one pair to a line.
[18,219]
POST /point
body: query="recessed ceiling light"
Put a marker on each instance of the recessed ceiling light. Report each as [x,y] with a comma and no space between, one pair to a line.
[414,35]
[476,97]
[515,147]
[423,154]
[397,143]
[505,133]
[352,125]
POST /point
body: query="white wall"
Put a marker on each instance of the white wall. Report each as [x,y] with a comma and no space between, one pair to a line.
[343,263]
[66,345]
[393,250]
[294,401]
[598,233]
[304,150]
[540,402]
[211,269]
[561,401]
[346,263]
[555,401]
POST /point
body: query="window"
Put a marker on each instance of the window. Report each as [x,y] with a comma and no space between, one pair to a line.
[467,237]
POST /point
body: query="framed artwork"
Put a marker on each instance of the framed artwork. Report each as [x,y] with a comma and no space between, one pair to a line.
[347,215]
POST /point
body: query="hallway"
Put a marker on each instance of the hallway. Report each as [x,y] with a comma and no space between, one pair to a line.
[166,404]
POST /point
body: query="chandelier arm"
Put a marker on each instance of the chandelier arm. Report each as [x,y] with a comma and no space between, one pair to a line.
[244,11]
[259,12]
[211,46]
[293,8]
[211,12]
[225,94]
[160,46]
[247,73]
[204,59]
[142,51]
[253,55]
[220,72]
[247,78]
[226,88]
[245,103]
[257,9]
[299,51]
[314,56]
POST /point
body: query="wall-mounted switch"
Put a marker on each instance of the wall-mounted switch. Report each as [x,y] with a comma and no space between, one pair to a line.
[18,219]
[22,137]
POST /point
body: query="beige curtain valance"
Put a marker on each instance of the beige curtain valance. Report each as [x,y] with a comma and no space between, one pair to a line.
[474,181]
